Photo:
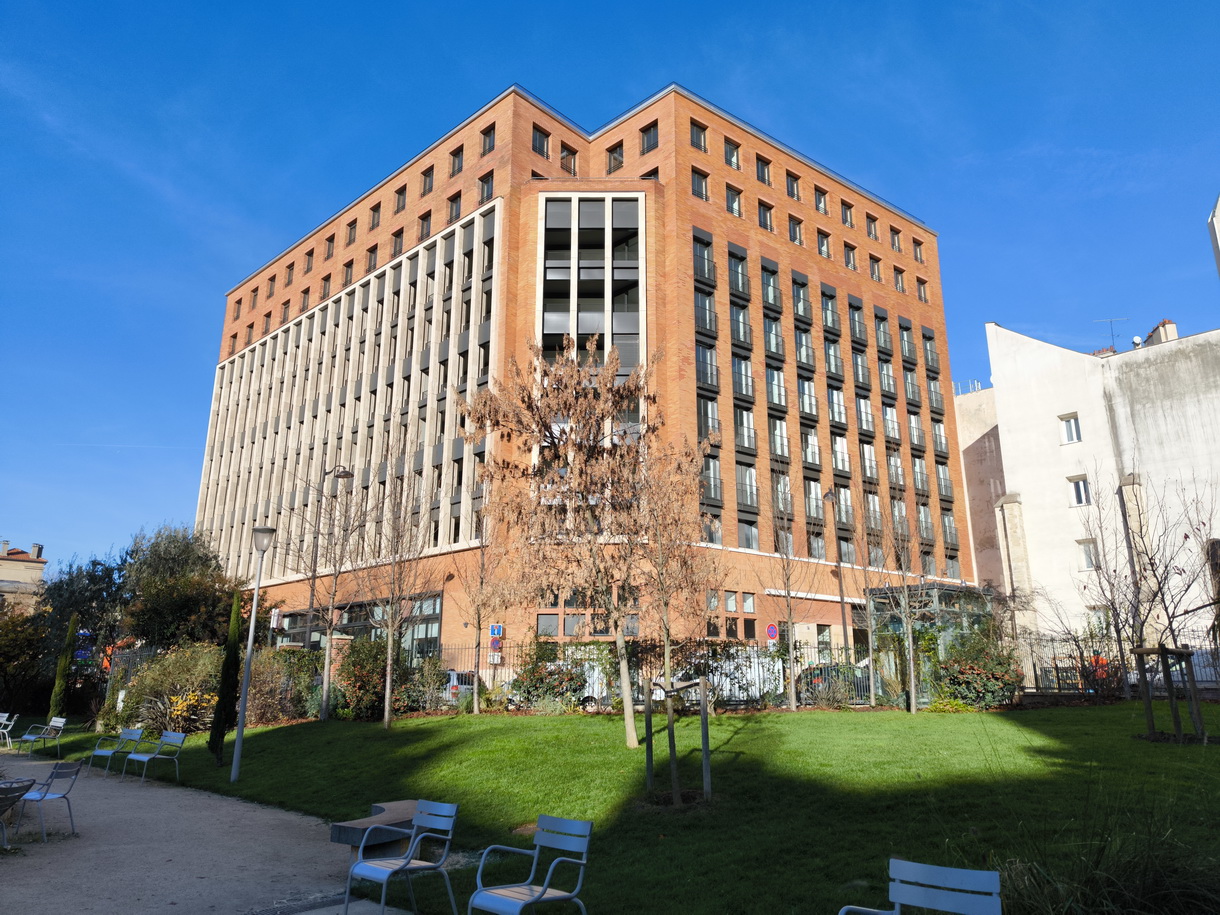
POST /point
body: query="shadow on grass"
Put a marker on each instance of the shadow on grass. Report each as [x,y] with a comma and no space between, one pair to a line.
[806,809]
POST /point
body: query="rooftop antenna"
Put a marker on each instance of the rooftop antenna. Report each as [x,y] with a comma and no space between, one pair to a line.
[1110,321]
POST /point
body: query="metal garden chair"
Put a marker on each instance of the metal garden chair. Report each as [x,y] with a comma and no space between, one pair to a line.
[53,789]
[10,793]
[168,747]
[941,889]
[568,838]
[433,823]
[41,733]
[109,747]
[6,725]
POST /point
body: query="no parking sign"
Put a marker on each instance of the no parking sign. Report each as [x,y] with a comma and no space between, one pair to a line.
[772,634]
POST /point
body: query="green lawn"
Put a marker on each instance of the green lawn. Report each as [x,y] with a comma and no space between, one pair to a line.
[807,807]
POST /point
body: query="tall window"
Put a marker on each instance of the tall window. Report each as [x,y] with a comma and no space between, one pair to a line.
[732,200]
[698,136]
[1080,490]
[374,215]
[542,142]
[1088,555]
[698,184]
[820,200]
[426,180]
[846,210]
[794,186]
[649,138]
[614,158]
[489,140]
[762,168]
[794,231]
[456,158]
[1069,428]
[764,217]
[732,154]
[487,187]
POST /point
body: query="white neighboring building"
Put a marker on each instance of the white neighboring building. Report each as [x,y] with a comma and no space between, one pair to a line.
[1061,429]
[1213,228]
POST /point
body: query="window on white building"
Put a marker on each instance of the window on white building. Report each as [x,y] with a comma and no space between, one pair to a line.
[1088,555]
[1080,491]
[1069,428]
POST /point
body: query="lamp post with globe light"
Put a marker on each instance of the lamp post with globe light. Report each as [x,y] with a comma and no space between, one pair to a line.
[262,542]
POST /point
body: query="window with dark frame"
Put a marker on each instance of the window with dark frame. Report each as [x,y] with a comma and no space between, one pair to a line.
[488,139]
[698,136]
[456,158]
[649,138]
[542,142]
[426,180]
[614,158]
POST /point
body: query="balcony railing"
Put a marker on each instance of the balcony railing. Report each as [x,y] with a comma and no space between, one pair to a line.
[860,370]
[747,495]
[908,349]
[807,403]
[705,269]
[844,516]
[872,519]
[739,282]
[840,461]
[746,437]
[913,394]
[830,320]
[885,341]
[893,430]
[834,365]
[811,453]
[945,485]
[868,467]
[926,530]
[708,426]
[774,344]
[897,474]
[936,401]
[866,421]
[741,331]
[743,384]
[838,413]
[777,394]
[802,308]
[772,296]
[705,319]
[814,510]
[779,446]
[951,537]
[707,373]
[920,480]
[782,501]
[859,331]
[888,384]
[940,442]
[931,358]
[917,436]
[711,487]
[804,354]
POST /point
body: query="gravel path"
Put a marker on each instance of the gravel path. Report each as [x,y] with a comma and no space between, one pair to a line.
[159,847]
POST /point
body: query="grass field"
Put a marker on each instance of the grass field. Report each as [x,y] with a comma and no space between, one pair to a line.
[807,807]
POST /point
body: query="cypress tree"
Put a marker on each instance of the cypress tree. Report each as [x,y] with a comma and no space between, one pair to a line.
[225,715]
[61,670]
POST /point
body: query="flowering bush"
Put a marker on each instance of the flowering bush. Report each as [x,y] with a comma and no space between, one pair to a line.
[545,676]
[361,679]
[167,691]
[189,712]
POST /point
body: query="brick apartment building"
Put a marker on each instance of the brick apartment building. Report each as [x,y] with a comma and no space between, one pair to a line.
[800,318]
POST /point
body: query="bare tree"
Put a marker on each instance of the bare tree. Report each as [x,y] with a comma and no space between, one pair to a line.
[570,489]
[1149,546]
[326,556]
[393,571]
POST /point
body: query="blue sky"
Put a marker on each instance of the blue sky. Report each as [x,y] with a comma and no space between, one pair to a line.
[151,156]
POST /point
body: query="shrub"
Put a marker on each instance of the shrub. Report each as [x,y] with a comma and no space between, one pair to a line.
[423,687]
[360,676]
[950,706]
[282,685]
[545,676]
[980,671]
[167,691]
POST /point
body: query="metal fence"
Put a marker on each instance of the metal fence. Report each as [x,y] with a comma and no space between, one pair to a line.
[1093,664]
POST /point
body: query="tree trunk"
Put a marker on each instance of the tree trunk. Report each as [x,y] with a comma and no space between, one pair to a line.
[912,701]
[791,664]
[388,714]
[675,784]
[324,711]
[624,677]
[478,649]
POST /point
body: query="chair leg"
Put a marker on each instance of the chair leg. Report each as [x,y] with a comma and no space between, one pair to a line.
[3,835]
[43,823]
[20,817]
[71,821]
[177,776]
[411,895]
[385,886]
[348,893]
[581,904]
[449,887]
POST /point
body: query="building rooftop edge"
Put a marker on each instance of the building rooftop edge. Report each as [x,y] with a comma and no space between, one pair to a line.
[1109,352]
[518,89]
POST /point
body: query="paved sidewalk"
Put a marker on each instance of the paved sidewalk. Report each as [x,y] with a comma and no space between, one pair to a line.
[159,847]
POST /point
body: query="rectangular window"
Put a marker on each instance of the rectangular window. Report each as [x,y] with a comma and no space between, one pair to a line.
[1088,555]
[400,199]
[649,138]
[732,154]
[270,286]
[351,232]
[698,136]
[846,210]
[488,140]
[284,309]
[849,256]
[326,286]
[614,158]
[371,263]
[396,241]
[425,225]
[764,217]
[309,260]
[304,300]
[762,168]
[823,244]
[348,272]
[820,200]
[456,158]
[732,200]
[899,280]
[425,181]
[896,240]
[542,142]
[1080,491]
[455,207]
[486,187]
[747,535]
[917,250]
[698,184]
[288,272]
[794,186]
[874,268]
[567,159]
[374,216]
[330,247]
[795,234]
[1069,428]
[870,223]
[548,624]
[921,289]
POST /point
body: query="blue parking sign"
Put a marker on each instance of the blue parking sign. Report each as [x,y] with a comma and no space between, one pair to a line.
[496,630]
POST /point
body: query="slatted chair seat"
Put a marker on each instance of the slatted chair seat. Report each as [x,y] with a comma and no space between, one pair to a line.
[39,734]
[55,788]
[568,839]
[109,747]
[168,747]
[432,825]
[940,889]
[10,793]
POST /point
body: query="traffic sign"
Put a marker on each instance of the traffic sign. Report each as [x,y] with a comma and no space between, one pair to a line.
[493,657]
[772,631]
[496,630]
[495,645]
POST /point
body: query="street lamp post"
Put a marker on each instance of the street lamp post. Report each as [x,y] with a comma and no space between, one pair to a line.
[262,542]
[340,472]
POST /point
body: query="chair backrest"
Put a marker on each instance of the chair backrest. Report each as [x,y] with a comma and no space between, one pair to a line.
[944,889]
[7,724]
[57,724]
[171,740]
[570,836]
[435,817]
[3,717]
[60,772]
[130,735]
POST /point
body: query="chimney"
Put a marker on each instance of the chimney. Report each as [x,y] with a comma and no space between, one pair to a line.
[1162,333]
[36,551]
[3,548]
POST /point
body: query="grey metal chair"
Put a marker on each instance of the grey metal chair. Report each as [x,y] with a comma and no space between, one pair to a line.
[432,823]
[168,747]
[570,838]
[109,747]
[10,793]
[53,789]
[41,733]
[940,889]
[6,726]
